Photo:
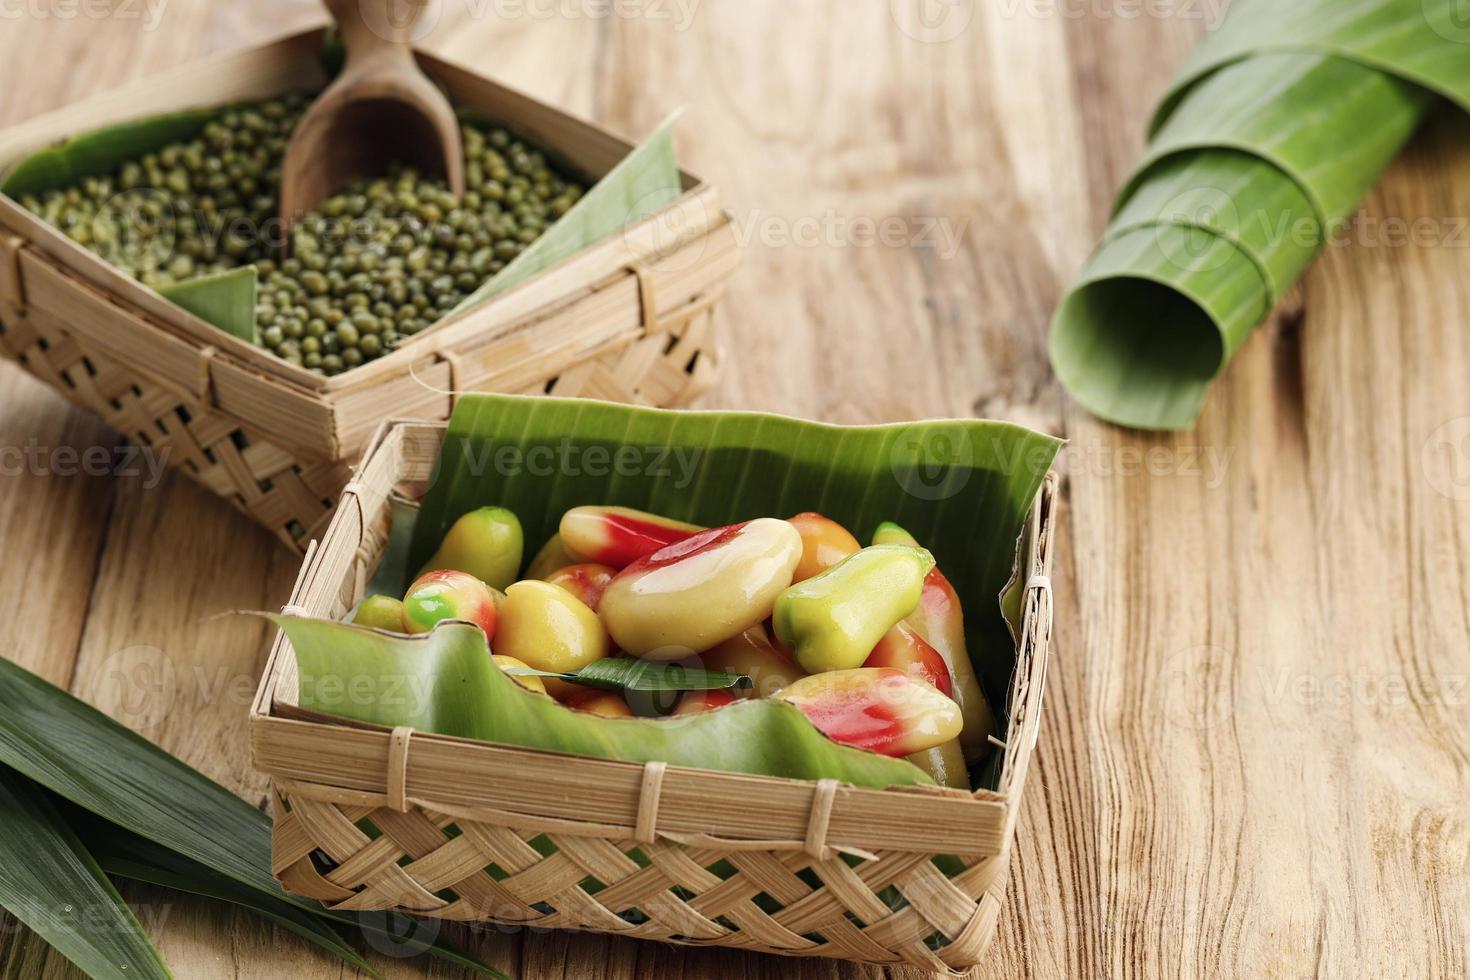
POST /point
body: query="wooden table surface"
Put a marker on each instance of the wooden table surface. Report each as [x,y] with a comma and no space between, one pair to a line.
[1255,752]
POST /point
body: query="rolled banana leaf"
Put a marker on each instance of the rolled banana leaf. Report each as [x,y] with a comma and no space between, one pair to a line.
[1265,144]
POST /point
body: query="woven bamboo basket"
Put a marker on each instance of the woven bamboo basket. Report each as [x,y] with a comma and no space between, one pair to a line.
[629,319]
[445,809]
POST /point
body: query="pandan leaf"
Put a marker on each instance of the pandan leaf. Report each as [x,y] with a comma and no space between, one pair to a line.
[644,182]
[1273,133]
[79,754]
[225,299]
[619,674]
[49,881]
[444,681]
[103,150]
[83,756]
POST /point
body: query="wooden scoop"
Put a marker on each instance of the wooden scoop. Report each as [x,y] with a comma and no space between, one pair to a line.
[381,109]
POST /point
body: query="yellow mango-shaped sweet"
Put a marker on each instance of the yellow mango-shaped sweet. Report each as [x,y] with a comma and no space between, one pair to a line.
[697,593]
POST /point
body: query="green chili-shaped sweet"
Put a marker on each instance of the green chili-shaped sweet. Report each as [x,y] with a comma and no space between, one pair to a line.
[486,543]
[833,620]
[940,620]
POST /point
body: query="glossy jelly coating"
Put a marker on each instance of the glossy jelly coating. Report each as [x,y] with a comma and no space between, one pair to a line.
[876,708]
[699,592]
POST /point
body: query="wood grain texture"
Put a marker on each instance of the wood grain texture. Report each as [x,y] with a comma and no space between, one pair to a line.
[1255,755]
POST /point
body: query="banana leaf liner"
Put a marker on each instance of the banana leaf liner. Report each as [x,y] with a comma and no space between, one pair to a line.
[742,827]
[1265,144]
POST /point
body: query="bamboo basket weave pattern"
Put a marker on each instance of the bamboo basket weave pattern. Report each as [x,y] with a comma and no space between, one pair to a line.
[629,319]
[371,819]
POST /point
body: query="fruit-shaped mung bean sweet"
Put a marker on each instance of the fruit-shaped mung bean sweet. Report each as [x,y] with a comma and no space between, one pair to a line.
[698,702]
[447,594]
[824,543]
[945,764]
[752,653]
[833,620]
[381,612]
[548,628]
[487,543]
[699,592]
[904,649]
[618,536]
[876,708]
[940,620]
[587,581]
[551,557]
[529,681]
[608,704]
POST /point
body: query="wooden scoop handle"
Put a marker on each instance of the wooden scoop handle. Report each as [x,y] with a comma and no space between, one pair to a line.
[377,28]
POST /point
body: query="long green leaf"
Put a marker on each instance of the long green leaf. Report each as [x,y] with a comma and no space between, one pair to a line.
[445,682]
[963,487]
[1275,130]
[49,881]
[82,756]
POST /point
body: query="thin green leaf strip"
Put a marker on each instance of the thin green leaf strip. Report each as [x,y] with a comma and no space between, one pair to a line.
[620,674]
[49,881]
[445,682]
[83,756]
[131,785]
[1274,132]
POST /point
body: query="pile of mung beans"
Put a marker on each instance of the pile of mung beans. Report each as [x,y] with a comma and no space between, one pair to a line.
[373,265]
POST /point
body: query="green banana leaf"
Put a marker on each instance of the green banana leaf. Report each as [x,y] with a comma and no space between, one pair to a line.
[645,181]
[49,881]
[225,299]
[82,756]
[445,682]
[102,150]
[963,488]
[1276,129]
